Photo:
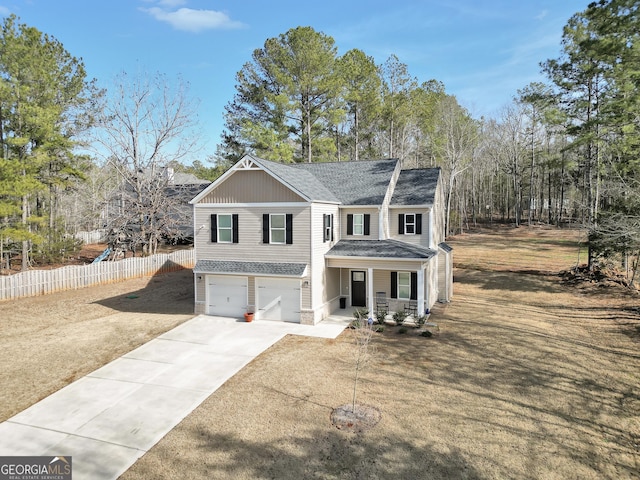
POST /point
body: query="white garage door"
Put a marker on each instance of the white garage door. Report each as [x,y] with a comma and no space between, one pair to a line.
[278,299]
[226,296]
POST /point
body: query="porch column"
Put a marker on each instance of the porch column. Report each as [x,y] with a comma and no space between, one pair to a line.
[421,304]
[370,291]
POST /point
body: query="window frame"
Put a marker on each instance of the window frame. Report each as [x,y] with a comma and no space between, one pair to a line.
[225,229]
[411,223]
[404,285]
[358,225]
[282,229]
[327,228]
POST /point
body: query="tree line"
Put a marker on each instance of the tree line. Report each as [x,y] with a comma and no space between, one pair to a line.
[564,151]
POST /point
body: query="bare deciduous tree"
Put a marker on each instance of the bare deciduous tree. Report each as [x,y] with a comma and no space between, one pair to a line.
[145,125]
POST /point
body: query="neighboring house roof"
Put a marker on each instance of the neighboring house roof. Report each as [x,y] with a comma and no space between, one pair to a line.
[354,183]
[187,179]
[416,187]
[379,249]
[250,268]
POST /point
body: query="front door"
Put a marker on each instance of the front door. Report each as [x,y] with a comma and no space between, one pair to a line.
[358,289]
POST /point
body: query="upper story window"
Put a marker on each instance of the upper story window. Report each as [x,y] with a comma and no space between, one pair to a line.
[225,232]
[358,223]
[224,228]
[277,228]
[327,234]
[410,224]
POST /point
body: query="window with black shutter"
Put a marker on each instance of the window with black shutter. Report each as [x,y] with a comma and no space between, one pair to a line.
[277,228]
[404,285]
[358,224]
[410,224]
[224,228]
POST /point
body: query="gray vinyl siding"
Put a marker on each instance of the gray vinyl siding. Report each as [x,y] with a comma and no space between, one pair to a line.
[422,239]
[445,282]
[251,187]
[250,247]
[374,223]
[322,288]
[439,215]
[200,287]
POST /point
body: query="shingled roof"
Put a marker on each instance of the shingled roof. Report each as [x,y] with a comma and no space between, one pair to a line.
[363,183]
[379,249]
[251,268]
[300,180]
[416,187]
[348,183]
[354,183]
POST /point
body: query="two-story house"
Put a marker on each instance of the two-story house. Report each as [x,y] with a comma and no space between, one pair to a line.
[296,242]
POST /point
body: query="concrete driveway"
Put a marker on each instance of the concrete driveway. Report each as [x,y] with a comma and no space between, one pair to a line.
[108,419]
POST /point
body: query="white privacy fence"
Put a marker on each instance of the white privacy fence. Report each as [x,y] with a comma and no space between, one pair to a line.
[95,236]
[42,282]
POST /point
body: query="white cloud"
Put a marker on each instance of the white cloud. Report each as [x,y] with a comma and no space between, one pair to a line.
[4,11]
[192,20]
[542,14]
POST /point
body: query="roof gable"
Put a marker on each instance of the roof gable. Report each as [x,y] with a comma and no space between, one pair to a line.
[251,186]
[251,180]
[347,183]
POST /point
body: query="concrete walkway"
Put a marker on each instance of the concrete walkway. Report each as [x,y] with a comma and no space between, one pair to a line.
[110,418]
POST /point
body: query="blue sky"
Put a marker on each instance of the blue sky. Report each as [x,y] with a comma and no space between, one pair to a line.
[482,50]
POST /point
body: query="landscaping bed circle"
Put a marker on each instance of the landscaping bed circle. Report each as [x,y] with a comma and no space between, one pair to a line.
[357,420]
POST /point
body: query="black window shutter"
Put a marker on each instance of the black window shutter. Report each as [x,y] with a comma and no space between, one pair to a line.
[349,224]
[214,228]
[265,228]
[394,284]
[234,234]
[324,227]
[418,224]
[401,224]
[414,286]
[367,221]
[289,228]
[332,227]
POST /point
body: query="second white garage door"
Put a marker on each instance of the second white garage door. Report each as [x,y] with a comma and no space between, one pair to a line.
[226,296]
[278,299]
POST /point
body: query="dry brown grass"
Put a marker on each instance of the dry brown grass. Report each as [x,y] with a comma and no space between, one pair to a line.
[48,342]
[528,379]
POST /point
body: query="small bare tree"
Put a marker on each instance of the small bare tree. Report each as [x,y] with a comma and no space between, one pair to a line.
[355,417]
[362,334]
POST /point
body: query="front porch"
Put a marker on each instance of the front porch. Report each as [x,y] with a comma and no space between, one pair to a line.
[378,289]
[383,274]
